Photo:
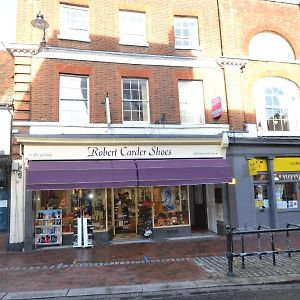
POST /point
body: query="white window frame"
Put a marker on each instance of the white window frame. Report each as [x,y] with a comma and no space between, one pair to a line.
[290,101]
[191,97]
[70,90]
[186,32]
[79,31]
[270,46]
[144,101]
[133,28]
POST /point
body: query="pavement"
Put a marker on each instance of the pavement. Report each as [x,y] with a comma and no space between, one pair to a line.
[136,269]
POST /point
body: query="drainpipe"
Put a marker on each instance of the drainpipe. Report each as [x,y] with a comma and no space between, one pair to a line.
[222,54]
[272,194]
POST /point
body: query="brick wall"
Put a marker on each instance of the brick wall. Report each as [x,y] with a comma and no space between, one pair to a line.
[104,24]
[106,78]
[6,76]
[240,21]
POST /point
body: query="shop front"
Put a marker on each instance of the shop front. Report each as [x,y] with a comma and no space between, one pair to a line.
[122,189]
[276,186]
[267,189]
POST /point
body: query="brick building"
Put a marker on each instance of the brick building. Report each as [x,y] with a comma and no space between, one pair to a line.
[130,111]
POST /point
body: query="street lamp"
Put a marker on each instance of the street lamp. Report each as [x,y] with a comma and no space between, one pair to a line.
[40,23]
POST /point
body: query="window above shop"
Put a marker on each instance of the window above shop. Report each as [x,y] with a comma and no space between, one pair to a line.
[186,33]
[277,105]
[270,46]
[133,28]
[135,100]
[73,99]
[191,102]
[74,23]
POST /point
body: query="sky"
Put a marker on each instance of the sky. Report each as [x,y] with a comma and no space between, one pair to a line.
[8,13]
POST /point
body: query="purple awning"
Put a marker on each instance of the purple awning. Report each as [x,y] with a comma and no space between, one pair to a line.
[55,175]
[183,171]
[60,175]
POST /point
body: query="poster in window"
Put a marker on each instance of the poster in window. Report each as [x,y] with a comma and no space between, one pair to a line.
[167,198]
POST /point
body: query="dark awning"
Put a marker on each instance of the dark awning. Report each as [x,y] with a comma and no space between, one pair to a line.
[183,171]
[55,175]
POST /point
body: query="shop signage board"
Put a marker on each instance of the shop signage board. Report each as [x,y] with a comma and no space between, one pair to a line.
[257,165]
[48,152]
[5,125]
[216,107]
[281,164]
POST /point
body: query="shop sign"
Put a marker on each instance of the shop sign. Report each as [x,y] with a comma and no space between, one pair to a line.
[280,164]
[216,107]
[257,165]
[5,125]
[287,176]
[45,152]
[287,164]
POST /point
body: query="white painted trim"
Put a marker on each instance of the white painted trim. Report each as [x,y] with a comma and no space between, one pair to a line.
[128,58]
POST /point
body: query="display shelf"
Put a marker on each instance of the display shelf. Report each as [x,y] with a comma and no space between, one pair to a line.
[48,227]
[83,233]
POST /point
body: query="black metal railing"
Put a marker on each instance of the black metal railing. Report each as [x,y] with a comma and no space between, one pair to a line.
[261,231]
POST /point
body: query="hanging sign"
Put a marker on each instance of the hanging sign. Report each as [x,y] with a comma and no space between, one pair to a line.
[216,107]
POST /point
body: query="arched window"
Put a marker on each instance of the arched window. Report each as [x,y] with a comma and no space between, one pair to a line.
[270,46]
[277,104]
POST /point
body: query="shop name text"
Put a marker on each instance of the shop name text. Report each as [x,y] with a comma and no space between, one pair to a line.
[128,152]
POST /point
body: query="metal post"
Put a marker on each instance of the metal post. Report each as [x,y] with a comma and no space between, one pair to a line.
[273,249]
[229,254]
[243,251]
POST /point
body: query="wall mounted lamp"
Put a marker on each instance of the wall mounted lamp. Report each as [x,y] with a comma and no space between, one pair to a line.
[40,23]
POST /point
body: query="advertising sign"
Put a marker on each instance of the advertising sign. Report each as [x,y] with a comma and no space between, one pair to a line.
[216,107]
[5,131]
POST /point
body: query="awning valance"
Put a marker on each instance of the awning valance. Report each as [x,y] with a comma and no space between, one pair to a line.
[58,175]
[183,171]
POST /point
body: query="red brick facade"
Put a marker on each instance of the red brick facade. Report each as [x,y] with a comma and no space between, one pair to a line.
[233,21]
[6,76]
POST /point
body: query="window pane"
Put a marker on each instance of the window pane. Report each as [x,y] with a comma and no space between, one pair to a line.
[286,195]
[170,206]
[135,110]
[126,94]
[186,32]
[126,105]
[132,27]
[261,196]
[73,106]
[74,22]
[263,44]
[127,115]
[191,102]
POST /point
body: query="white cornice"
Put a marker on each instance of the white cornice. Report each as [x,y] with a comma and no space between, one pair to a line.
[127,58]
[35,140]
[22,49]
[110,57]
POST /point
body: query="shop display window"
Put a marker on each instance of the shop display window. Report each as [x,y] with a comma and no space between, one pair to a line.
[286,195]
[170,206]
[261,196]
[92,203]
